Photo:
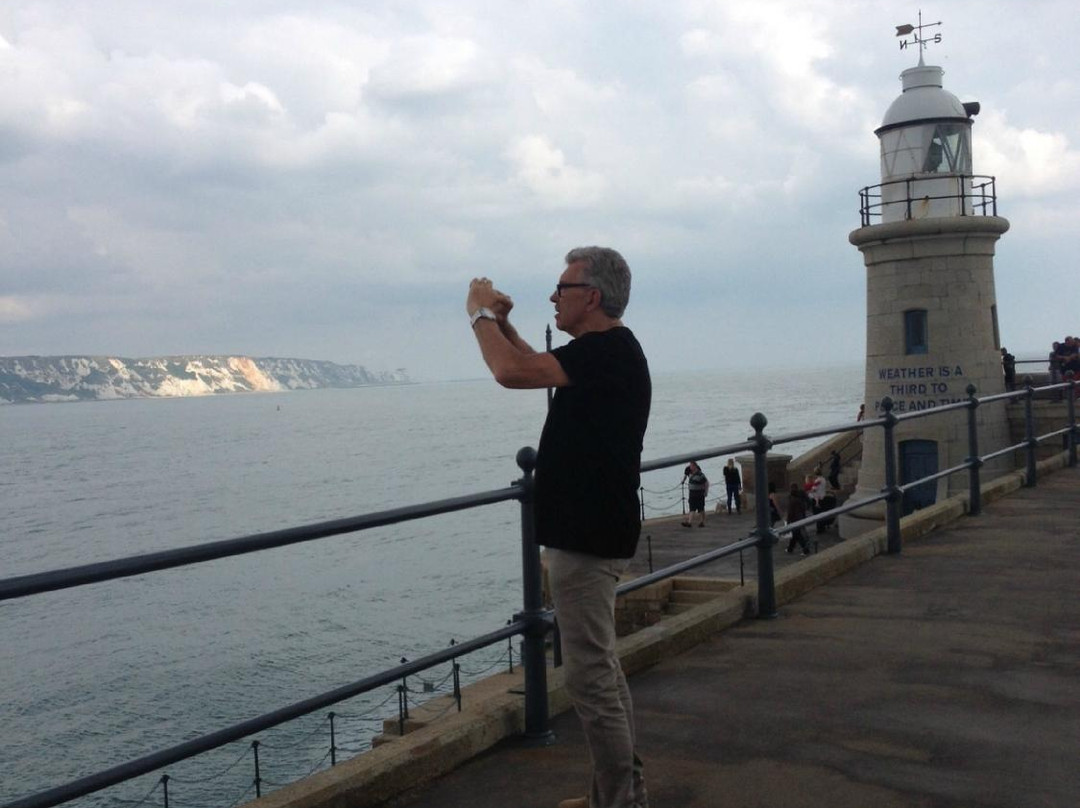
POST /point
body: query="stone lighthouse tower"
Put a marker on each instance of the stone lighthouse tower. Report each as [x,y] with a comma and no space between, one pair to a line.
[927,238]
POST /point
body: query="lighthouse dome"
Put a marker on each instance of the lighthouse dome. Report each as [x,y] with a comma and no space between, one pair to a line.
[923,98]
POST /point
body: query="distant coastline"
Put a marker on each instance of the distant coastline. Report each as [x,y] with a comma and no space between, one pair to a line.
[53,379]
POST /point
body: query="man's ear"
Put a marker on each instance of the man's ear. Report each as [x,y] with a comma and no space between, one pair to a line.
[595,298]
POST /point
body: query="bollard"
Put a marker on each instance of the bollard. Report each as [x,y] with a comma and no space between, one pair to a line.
[973,459]
[766,537]
[533,660]
[892,504]
[1029,430]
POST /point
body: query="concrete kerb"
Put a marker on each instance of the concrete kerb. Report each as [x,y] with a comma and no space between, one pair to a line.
[493,708]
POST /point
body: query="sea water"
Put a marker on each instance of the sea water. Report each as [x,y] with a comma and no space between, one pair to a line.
[98,675]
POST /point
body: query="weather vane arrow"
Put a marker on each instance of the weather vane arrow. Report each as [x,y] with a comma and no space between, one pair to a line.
[919,38]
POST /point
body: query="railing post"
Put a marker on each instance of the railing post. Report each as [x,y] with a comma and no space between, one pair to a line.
[892,504]
[974,487]
[641,499]
[533,659]
[165,789]
[1073,436]
[1029,429]
[765,536]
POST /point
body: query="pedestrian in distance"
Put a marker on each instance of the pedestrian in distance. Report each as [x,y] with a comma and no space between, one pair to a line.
[796,511]
[834,469]
[587,476]
[733,484]
[697,488]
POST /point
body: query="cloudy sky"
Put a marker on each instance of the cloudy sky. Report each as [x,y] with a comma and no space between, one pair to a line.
[322,179]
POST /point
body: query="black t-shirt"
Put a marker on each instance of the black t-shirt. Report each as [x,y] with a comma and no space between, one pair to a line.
[589,462]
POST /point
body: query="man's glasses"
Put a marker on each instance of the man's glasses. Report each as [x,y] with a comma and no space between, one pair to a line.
[560,286]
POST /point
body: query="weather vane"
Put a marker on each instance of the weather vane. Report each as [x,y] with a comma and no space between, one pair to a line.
[918,37]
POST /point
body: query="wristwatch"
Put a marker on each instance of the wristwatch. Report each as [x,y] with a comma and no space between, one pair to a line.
[482,313]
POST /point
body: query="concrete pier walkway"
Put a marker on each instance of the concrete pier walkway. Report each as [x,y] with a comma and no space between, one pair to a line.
[946,676]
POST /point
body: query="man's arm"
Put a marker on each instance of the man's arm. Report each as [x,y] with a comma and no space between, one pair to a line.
[514,368]
[511,361]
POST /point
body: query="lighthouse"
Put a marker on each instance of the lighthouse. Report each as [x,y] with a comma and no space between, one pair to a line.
[928,235]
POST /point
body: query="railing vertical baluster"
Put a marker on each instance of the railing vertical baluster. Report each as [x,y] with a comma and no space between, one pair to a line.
[401,710]
[682,495]
[1072,434]
[404,692]
[1029,431]
[892,504]
[333,741]
[165,789]
[533,659]
[641,496]
[974,485]
[258,776]
[766,538]
[648,544]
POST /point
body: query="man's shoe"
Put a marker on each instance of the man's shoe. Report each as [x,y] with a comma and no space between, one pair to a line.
[686,524]
[576,802]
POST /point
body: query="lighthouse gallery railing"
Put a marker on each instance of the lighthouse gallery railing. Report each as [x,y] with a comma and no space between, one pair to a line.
[979,190]
[534,621]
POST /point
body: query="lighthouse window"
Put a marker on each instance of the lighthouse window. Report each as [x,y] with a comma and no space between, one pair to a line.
[915,341]
[948,151]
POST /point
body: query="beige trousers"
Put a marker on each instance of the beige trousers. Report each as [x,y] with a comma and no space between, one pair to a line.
[583,589]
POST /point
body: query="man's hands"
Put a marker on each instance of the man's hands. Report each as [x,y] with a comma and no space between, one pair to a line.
[512,362]
[482,294]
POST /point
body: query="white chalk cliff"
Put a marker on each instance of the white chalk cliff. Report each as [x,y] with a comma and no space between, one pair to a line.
[28,379]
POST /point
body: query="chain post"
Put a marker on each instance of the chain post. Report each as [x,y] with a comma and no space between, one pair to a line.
[405,691]
[682,494]
[165,789]
[1072,434]
[258,776]
[648,544]
[641,500]
[533,657]
[333,742]
[457,684]
[1029,429]
[401,710]
[974,485]
[892,504]
[766,539]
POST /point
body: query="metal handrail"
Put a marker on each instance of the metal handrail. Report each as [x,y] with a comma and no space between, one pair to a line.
[534,621]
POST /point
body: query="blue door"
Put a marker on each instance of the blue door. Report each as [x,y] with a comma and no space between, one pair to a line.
[918,458]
